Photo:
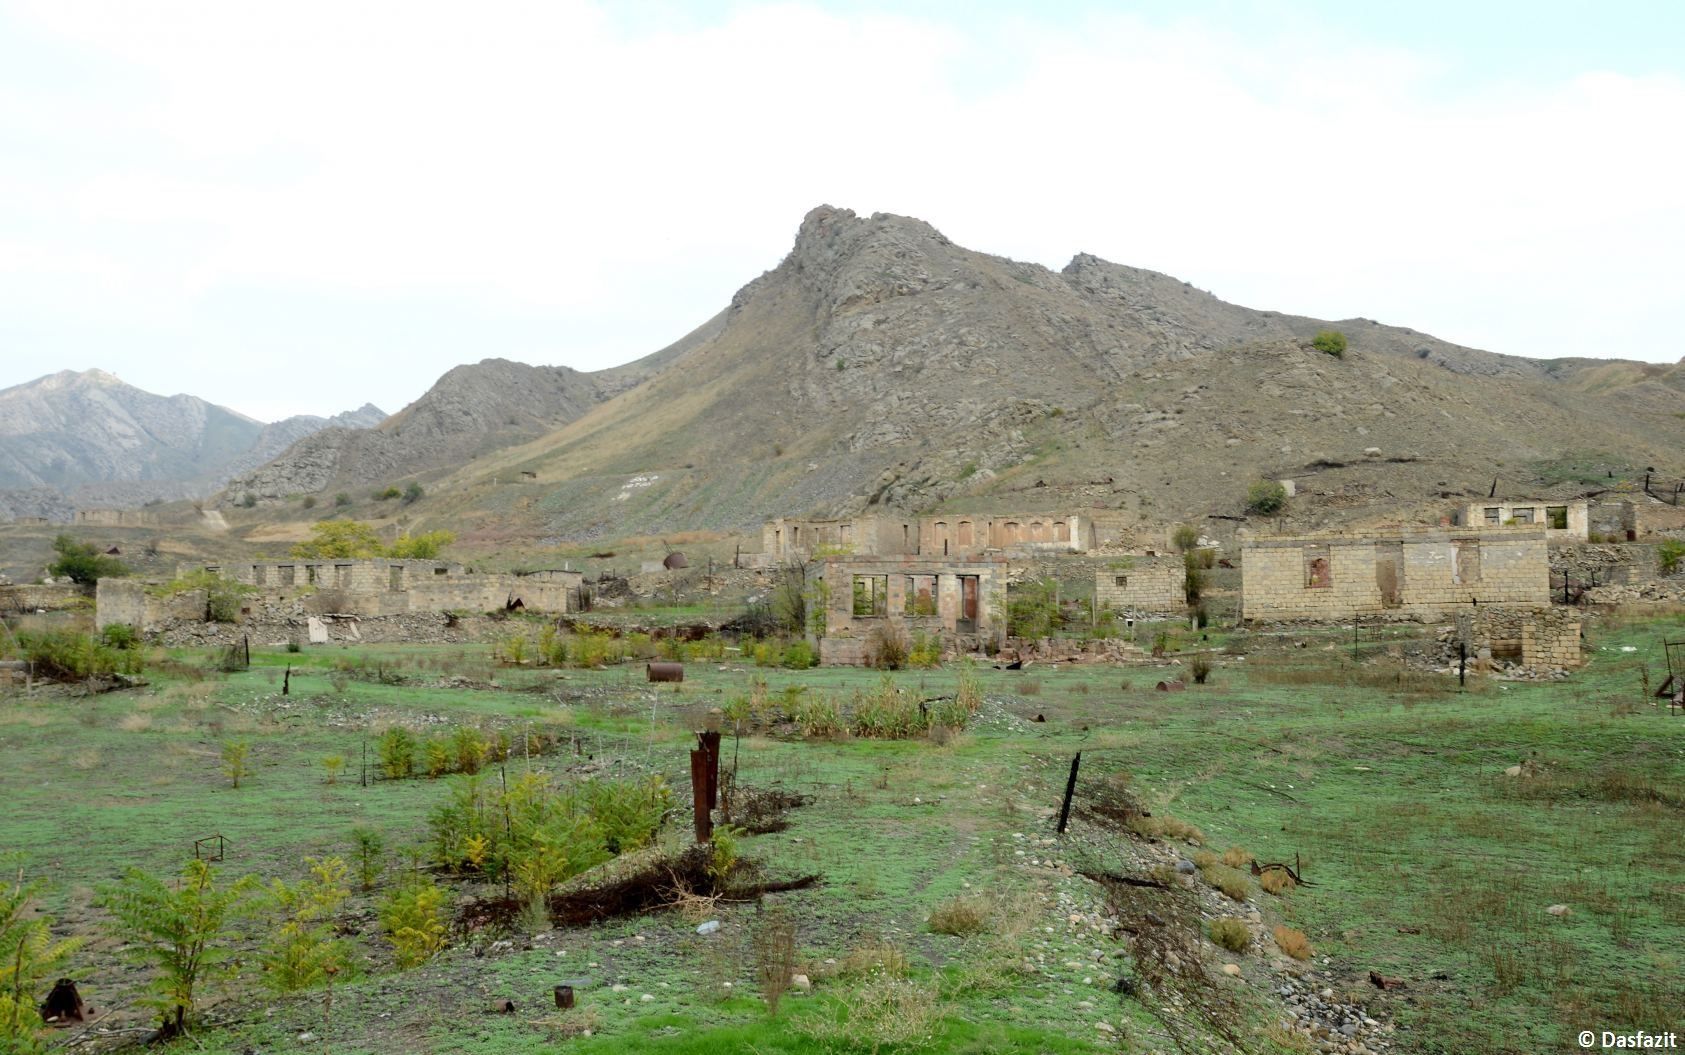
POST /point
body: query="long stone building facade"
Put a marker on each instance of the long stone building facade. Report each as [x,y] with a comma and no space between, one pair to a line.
[366,588]
[952,536]
[1422,574]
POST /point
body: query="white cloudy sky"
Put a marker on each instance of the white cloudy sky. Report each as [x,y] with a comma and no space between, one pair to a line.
[300,207]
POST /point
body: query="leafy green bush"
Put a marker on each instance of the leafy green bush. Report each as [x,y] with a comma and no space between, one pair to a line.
[29,960]
[223,597]
[1185,537]
[1266,497]
[120,635]
[1670,552]
[83,563]
[387,494]
[799,655]
[397,753]
[1331,342]
[819,716]
[415,918]
[412,492]
[181,930]
[1032,609]
[302,951]
[341,499]
[70,654]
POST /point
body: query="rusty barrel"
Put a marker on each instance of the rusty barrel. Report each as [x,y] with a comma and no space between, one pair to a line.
[665,671]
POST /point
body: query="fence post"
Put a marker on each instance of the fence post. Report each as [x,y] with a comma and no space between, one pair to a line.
[1070,789]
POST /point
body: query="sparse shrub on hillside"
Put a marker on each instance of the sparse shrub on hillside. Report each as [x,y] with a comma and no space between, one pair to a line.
[1199,666]
[341,499]
[309,502]
[1670,553]
[1293,943]
[1231,933]
[1185,537]
[1276,881]
[1266,497]
[775,955]
[386,494]
[1237,857]
[412,493]
[332,765]
[1330,342]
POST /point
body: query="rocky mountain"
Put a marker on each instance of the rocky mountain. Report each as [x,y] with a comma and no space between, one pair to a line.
[880,364]
[470,411]
[87,438]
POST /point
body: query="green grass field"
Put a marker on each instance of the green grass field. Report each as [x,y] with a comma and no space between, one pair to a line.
[1424,861]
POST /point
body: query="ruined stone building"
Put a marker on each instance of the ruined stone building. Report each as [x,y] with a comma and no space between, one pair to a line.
[366,588]
[1137,586]
[947,535]
[789,539]
[963,534]
[955,600]
[1561,521]
[1419,573]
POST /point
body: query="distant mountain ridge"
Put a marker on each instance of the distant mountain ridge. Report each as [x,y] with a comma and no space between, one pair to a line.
[84,438]
[882,365]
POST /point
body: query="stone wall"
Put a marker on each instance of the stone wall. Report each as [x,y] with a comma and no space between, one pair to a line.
[1657,518]
[129,601]
[1420,574]
[1537,638]
[1147,586]
[116,518]
[37,598]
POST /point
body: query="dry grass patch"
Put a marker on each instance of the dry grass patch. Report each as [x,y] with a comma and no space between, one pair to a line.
[879,955]
[1294,943]
[1236,857]
[1276,881]
[961,916]
[135,723]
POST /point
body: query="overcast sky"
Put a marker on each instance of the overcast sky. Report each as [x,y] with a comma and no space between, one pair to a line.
[299,207]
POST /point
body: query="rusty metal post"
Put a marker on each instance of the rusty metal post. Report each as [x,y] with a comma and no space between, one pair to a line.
[699,795]
[1070,789]
[710,745]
